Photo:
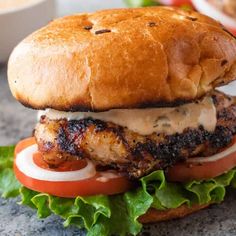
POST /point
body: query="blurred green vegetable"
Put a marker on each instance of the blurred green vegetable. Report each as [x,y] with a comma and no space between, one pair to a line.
[9,186]
[141,3]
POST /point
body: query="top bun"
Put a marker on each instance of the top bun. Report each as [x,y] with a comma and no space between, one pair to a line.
[122,58]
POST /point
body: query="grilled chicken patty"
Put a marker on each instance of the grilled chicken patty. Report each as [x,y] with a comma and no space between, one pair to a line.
[112,146]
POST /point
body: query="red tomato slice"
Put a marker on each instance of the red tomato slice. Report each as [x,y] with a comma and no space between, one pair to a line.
[184,172]
[69,189]
[24,144]
[66,166]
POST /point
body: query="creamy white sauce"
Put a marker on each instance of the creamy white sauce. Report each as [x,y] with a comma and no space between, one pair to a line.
[106,176]
[150,120]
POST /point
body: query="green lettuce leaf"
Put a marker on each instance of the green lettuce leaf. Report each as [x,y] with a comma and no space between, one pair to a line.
[6,157]
[9,186]
[108,215]
[118,214]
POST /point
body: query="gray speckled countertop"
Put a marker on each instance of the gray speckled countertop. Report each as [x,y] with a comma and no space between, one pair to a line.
[17,122]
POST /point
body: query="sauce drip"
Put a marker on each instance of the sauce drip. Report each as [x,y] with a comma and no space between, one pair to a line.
[152,120]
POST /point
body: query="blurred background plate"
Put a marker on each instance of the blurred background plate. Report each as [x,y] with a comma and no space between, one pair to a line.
[224,12]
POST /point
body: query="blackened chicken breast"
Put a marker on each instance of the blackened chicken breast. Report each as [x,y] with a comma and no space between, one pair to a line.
[113,146]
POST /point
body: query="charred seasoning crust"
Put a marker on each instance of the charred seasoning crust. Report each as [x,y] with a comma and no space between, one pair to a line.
[174,148]
[73,130]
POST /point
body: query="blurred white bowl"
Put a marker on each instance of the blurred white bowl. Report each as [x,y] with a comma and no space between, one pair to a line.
[207,8]
[16,23]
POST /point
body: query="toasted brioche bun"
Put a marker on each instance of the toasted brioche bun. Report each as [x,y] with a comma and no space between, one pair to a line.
[122,58]
[154,215]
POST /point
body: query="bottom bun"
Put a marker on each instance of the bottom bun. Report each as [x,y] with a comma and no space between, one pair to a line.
[154,215]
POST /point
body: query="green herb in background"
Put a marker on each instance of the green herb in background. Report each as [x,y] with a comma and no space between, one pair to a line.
[147,3]
[187,7]
[141,3]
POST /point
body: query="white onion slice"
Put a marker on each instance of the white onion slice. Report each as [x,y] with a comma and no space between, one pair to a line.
[25,163]
[215,157]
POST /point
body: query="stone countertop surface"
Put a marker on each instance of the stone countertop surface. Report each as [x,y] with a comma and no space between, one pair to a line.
[17,122]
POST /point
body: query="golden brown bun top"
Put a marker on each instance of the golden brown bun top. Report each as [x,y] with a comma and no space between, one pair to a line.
[122,58]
